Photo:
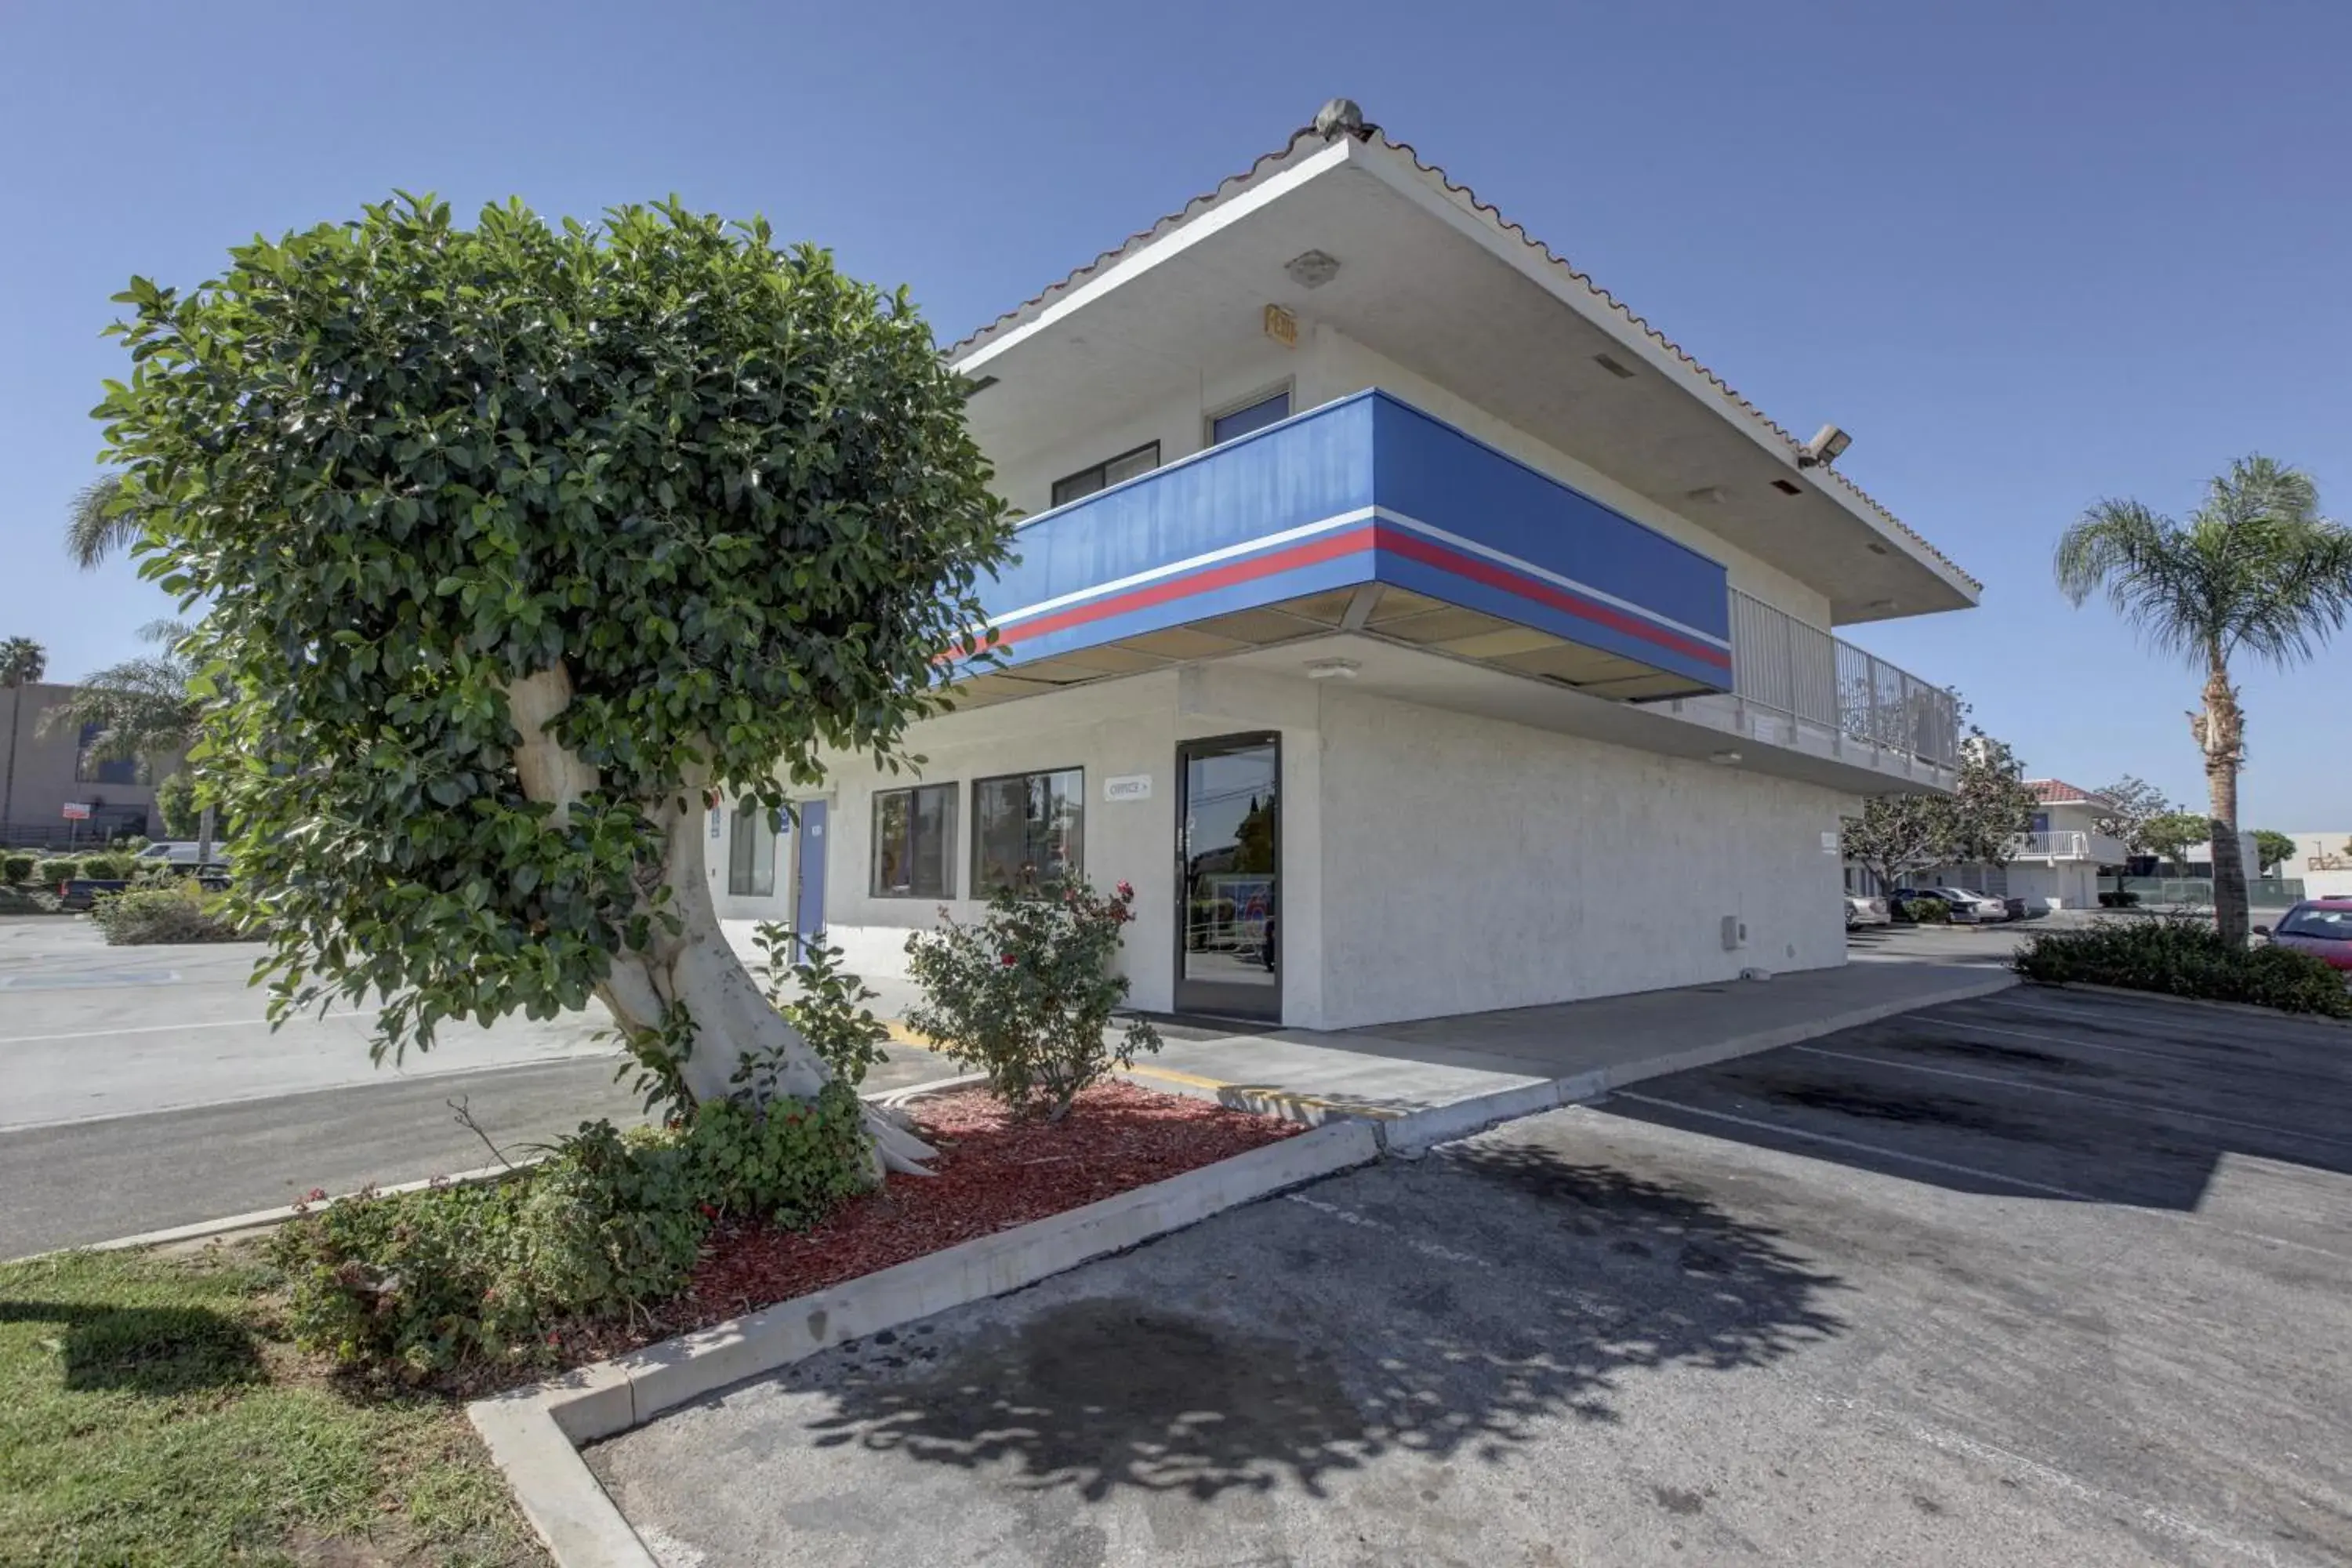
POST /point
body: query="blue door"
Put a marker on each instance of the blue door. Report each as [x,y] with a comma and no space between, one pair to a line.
[808,900]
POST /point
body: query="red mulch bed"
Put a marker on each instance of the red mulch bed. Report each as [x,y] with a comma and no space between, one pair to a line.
[993,1172]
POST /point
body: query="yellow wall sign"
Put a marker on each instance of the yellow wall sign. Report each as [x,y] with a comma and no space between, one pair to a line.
[1282,326]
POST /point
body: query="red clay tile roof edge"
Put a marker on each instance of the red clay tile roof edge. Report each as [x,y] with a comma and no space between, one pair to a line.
[2058,792]
[1373,135]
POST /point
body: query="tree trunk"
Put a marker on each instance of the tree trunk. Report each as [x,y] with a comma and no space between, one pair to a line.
[204,826]
[694,968]
[2220,733]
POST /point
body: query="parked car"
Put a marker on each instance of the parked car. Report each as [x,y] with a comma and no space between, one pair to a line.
[179,852]
[1967,908]
[2320,927]
[1863,911]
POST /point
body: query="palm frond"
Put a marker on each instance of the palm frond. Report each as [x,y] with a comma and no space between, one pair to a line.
[2255,567]
[23,661]
[97,526]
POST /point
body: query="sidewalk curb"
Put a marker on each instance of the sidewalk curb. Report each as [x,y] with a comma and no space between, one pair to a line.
[534,1433]
[1444,1124]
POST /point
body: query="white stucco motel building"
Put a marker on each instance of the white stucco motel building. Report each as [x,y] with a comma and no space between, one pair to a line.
[1414,627]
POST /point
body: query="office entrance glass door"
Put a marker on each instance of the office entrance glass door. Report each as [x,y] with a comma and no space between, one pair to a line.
[1229,877]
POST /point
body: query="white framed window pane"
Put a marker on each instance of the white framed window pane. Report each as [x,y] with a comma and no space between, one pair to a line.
[1028,829]
[913,830]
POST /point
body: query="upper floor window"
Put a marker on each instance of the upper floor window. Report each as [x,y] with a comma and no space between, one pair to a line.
[1256,414]
[89,768]
[1103,475]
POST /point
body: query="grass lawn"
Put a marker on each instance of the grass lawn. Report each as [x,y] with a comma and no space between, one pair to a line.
[152,1412]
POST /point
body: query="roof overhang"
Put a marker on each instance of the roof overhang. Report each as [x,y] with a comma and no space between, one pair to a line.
[1441,284]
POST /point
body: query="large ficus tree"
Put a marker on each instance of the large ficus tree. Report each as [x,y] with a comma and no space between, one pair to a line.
[520,546]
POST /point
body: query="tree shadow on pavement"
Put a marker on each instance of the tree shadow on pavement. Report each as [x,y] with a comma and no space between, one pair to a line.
[1464,1304]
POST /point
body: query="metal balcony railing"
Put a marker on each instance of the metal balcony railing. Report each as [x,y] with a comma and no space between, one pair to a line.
[1782,663]
[2063,845]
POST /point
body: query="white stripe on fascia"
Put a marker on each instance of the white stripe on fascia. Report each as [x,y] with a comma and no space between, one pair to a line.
[1247,547]
[1472,547]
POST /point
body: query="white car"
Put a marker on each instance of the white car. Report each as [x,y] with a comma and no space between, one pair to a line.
[1863,911]
[177,852]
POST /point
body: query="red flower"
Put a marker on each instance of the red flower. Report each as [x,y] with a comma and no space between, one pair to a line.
[1008,960]
[315,1195]
[1126,888]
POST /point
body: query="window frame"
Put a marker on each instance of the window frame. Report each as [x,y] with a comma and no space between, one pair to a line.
[1286,389]
[874,888]
[751,814]
[981,887]
[1054,492]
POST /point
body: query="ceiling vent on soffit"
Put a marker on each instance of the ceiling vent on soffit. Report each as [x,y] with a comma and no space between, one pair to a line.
[1312,268]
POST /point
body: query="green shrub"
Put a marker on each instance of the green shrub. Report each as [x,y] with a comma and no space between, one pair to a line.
[1026,994]
[790,1161]
[17,869]
[822,1000]
[176,911]
[107,865]
[2185,957]
[421,1284]
[56,869]
[1925,911]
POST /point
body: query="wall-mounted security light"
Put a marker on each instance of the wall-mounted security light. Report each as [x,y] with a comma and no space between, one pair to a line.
[1824,448]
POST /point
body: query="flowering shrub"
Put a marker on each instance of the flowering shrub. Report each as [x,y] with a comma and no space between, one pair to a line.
[1025,994]
[821,999]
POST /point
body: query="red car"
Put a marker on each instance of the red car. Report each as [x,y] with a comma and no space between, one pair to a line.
[2320,927]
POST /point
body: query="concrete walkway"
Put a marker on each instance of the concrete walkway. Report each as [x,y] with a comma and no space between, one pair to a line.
[1576,1049]
[1493,1065]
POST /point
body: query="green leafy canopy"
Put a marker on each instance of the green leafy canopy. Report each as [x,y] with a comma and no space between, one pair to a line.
[404,463]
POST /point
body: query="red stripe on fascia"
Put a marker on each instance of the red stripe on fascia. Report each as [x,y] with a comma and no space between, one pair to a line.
[1325,547]
[1479,570]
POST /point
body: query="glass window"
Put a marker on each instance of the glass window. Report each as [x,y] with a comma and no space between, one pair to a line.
[1104,475]
[1027,829]
[751,853]
[89,769]
[912,830]
[1257,416]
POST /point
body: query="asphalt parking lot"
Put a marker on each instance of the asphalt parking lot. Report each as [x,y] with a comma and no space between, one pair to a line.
[2043,1277]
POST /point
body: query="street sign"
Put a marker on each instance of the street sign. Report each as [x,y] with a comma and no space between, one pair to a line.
[76,811]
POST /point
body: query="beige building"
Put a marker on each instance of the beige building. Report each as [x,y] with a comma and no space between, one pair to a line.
[54,770]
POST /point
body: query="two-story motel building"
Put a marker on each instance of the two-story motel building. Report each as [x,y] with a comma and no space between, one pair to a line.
[1414,627]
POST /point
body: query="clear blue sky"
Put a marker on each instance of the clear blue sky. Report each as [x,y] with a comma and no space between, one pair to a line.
[2030,254]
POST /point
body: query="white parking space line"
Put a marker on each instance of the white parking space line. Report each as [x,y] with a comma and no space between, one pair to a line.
[1809,1136]
[2144,1106]
[2176,1058]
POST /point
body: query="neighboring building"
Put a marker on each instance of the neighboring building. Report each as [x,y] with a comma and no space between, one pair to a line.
[2322,861]
[56,769]
[1414,627]
[2058,863]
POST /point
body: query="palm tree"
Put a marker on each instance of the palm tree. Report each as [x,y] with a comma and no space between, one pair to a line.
[93,530]
[142,708]
[2255,569]
[23,661]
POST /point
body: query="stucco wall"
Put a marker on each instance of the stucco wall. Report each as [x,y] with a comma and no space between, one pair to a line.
[44,778]
[1470,864]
